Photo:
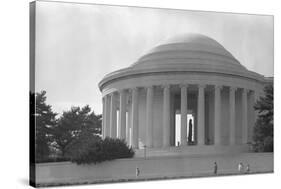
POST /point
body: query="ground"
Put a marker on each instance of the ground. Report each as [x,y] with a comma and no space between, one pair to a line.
[151,168]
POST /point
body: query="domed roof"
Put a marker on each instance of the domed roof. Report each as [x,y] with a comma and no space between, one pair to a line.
[186,53]
[188,50]
[193,38]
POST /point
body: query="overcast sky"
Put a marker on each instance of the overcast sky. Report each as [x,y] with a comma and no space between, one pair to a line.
[77,44]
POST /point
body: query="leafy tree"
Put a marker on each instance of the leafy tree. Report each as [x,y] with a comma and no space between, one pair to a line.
[75,124]
[45,120]
[263,131]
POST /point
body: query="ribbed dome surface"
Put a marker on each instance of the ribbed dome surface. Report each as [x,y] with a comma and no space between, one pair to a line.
[185,54]
[189,50]
[194,38]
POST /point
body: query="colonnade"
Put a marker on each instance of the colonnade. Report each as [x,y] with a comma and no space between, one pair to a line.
[126,102]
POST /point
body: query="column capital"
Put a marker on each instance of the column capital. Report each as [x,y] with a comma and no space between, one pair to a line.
[246,90]
[166,86]
[201,86]
[149,87]
[218,87]
[134,89]
[122,90]
[232,88]
[184,85]
[112,94]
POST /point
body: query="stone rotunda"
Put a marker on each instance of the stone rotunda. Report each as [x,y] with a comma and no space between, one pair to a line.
[190,77]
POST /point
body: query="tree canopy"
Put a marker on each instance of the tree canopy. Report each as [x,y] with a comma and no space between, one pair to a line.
[75,124]
[45,120]
[263,131]
[55,135]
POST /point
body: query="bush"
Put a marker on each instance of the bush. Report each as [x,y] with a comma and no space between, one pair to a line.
[81,144]
[263,137]
[264,146]
[268,144]
[98,150]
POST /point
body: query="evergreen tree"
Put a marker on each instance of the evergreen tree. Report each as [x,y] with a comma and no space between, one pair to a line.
[263,131]
[45,120]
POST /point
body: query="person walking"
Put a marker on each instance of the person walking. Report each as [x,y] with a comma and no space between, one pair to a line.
[137,172]
[215,168]
[248,168]
[240,167]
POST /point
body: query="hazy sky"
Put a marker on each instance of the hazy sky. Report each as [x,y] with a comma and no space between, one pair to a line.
[77,44]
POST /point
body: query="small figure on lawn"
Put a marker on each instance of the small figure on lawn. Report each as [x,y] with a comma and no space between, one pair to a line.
[240,167]
[248,168]
[215,168]
[137,171]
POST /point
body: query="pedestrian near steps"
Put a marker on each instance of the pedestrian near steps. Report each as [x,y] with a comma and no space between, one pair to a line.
[248,168]
[215,168]
[137,172]
[240,167]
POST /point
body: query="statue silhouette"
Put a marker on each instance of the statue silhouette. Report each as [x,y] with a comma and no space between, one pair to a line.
[190,131]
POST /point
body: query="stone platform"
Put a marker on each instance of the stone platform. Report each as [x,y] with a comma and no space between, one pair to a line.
[151,167]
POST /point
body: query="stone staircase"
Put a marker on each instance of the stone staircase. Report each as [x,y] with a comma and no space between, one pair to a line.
[194,150]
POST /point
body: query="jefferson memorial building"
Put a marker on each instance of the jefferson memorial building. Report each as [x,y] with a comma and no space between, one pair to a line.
[187,93]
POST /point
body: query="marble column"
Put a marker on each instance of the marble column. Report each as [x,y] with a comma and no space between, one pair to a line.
[135,119]
[244,116]
[113,115]
[107,115]
[149,117]
[166,116]
[172,122]
[103,118]
[232,115]
[122,115]
[217,126]
[201,115]
[129,122]
[183,114]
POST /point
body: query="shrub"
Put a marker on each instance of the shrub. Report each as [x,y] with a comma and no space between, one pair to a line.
[98,150]
[268,144]
[81,144]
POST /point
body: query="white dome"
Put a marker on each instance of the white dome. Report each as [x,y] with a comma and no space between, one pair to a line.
[190,50]
[194,38]
[185,54]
